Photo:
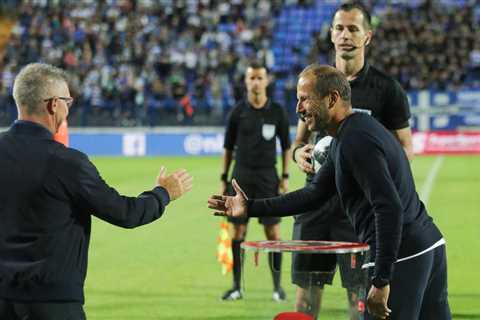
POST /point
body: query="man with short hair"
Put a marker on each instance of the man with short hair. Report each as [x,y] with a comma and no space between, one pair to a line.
[251,132]
[49,194]
[375,93]
[371,173]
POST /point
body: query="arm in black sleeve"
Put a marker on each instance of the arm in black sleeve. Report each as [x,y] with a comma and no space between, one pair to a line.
[231,130]
[87,190]
[397,111]
[365,157]
[299,201]
[284,130]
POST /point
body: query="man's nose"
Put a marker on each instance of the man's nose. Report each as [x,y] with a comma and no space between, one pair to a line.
[299,107]
[346,34]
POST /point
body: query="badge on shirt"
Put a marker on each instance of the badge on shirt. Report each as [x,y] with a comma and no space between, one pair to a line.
[268,131]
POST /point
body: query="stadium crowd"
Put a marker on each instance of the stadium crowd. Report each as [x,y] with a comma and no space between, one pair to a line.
[181,62]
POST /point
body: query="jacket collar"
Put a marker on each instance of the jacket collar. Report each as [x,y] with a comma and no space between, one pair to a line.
[30,128]
[362,74]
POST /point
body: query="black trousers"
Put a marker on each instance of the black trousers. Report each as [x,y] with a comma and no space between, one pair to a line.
[418,290]
[10,310]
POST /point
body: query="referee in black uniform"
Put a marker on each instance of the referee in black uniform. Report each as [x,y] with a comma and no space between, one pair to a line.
[250,136]
[370,172]
[374,93]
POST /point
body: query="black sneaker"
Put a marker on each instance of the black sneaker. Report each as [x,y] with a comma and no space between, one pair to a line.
[279,295]
[232,294]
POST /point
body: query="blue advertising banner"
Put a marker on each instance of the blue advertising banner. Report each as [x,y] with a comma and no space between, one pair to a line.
[148,144]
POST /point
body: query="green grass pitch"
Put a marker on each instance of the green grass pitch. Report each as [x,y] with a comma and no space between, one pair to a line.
[168,269]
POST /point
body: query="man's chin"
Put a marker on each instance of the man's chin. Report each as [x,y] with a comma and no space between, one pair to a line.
[347,55]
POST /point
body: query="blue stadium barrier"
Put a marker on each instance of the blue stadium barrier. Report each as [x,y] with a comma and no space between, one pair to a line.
[126,142]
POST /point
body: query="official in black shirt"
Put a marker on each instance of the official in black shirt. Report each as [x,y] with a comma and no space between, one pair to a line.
[370,172]
[251,137]
[375,93]
[49,193]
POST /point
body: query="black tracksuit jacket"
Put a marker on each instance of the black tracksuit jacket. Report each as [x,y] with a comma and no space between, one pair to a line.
[48,194]
[369,170]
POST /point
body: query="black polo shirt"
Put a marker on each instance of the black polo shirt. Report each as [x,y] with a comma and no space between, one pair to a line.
[380,96]
[252,134]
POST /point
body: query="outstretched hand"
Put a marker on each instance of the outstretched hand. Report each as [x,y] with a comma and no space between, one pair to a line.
[231,206]
[176,184]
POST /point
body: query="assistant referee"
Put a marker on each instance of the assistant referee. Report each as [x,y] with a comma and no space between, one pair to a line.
[251,132]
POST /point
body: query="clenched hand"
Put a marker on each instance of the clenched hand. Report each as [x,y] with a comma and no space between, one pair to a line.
[303,157]
[377,302]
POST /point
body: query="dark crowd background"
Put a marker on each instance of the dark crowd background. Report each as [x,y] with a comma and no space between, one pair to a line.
[151,63]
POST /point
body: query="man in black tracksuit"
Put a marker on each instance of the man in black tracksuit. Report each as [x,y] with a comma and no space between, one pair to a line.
[49,193]
[251,137]
[375,93]
[370,172]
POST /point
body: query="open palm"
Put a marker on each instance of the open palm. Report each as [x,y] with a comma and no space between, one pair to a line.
[231,206]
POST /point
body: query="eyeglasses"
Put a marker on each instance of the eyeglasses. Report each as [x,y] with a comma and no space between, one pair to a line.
[68,100]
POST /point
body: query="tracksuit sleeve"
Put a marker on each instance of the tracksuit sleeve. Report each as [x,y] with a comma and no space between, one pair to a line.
[365,157]
[299,201]
[93,195]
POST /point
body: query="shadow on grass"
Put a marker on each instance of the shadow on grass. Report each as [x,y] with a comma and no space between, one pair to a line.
[109,304]
[212,317]
[465,316]
[464,295]
[210,293]
[126,294]
[136,295]
[176,318]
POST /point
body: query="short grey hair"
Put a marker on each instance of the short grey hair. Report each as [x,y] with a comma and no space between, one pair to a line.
[328,79]
[33,84]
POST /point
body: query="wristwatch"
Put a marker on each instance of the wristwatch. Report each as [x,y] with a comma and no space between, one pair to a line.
[380,282]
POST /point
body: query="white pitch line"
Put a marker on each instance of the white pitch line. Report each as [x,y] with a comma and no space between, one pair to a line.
[428,184]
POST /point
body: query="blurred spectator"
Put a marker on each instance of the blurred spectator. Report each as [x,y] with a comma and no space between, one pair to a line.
[124,53]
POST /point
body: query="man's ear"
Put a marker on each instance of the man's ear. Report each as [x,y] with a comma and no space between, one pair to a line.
[368,37]
[52,106]
[333,98]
